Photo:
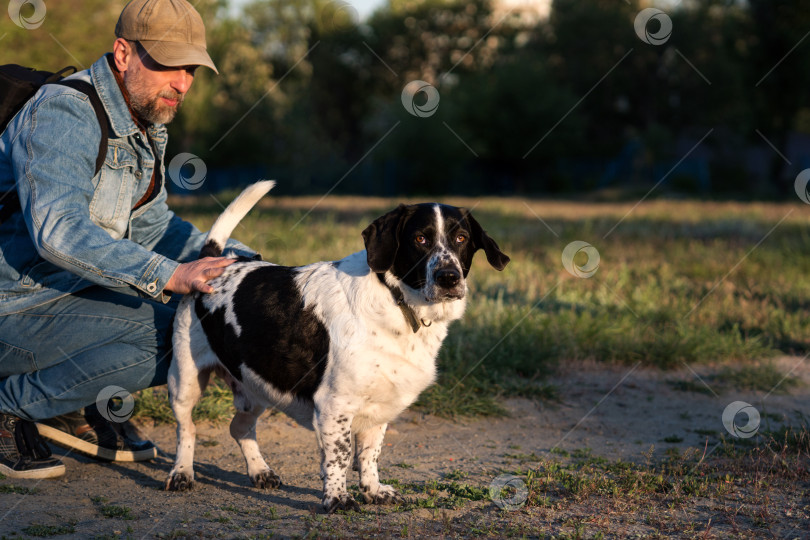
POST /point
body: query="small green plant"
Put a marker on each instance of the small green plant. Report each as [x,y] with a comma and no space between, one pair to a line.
[690,386]
[48,530]
[764,377]
[524,457]
[114,511]
[19,490]
[456,474]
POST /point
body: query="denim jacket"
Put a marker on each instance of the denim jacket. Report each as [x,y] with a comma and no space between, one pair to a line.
[76,229]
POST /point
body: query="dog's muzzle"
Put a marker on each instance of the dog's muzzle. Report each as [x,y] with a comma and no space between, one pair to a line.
[448,284]
[447,278]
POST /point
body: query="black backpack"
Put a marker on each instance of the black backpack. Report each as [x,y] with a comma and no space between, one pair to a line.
[18,84]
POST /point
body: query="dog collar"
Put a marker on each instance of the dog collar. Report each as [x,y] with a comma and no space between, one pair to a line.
[407,311]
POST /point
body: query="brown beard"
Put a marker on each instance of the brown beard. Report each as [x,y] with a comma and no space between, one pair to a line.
[152,109]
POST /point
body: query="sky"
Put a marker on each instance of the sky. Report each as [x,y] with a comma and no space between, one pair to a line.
[364,7]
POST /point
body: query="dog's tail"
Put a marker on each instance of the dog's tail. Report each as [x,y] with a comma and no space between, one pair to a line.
[230,218]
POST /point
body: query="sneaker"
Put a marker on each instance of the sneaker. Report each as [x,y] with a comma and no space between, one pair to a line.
[88,432]
[22,453]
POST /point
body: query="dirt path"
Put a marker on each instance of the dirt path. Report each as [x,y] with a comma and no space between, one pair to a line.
[613,413]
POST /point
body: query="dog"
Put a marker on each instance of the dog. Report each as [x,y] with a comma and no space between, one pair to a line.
[342,347]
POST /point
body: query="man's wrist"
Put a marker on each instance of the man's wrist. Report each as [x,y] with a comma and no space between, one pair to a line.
[157,276]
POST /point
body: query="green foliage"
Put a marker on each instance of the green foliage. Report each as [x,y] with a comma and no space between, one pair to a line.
[575,102]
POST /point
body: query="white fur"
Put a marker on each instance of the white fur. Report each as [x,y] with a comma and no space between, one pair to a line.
[224,225]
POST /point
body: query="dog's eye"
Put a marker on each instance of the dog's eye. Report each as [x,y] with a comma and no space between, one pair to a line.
[460,239]
[421,239]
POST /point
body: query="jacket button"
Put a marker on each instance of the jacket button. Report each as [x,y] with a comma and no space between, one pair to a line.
[152,287]
[138,175]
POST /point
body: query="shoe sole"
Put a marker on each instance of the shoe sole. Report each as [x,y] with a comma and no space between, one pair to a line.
[66,440]
[34,474]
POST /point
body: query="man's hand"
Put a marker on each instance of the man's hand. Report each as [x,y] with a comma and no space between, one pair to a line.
[194,276]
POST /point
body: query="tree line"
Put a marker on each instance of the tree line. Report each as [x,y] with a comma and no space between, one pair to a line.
[710,99]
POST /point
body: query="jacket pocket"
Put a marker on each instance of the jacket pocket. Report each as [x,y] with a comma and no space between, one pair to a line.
[15,360]
[110,206]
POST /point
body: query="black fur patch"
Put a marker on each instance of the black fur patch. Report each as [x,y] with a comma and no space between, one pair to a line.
[210,249]
[391,241]
[410,263]
[213,323]
[283,343]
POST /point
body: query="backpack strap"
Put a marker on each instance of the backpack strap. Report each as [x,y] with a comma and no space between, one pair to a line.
[10,200]
[101,116]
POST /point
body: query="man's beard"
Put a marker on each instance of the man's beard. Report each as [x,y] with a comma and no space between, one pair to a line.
[152,109]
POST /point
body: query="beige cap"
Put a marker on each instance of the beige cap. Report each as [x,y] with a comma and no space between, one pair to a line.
[171,31]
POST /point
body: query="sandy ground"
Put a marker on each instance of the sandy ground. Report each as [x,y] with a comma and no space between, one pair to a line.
[617,412]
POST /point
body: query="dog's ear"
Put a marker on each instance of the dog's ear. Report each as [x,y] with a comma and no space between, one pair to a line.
[382,240]
[481,240]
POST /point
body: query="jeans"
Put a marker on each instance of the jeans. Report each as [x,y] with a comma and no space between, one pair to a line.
[58,357]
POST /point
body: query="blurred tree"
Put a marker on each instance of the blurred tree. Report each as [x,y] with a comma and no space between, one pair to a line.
[780,72]
[313,96]
[586,44]
[427,39]
[235,119]
[504,112]
[73,32]
[705,68]
[228,119]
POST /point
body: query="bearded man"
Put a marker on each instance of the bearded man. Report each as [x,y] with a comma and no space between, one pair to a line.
[89,261]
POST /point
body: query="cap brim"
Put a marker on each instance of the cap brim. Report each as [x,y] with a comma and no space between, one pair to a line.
[172,54]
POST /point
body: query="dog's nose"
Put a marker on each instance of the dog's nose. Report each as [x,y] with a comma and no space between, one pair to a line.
[447,278]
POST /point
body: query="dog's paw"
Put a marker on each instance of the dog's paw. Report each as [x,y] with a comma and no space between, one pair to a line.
[266,480]
[179,482]
[383,495]
[344,502]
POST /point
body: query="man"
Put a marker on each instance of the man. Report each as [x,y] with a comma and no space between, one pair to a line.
[89,262]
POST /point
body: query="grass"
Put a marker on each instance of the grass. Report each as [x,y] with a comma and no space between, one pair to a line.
[19,490]
[48,530]
[679,282]
[738,488]
[759,376]
[118,512]
[215,405]
[735,477]
[762,377]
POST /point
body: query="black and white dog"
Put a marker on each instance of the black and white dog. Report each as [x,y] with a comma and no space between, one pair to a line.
[342,347]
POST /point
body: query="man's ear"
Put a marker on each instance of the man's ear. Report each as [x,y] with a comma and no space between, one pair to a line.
[481,240]
[122,51]
[382,240]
